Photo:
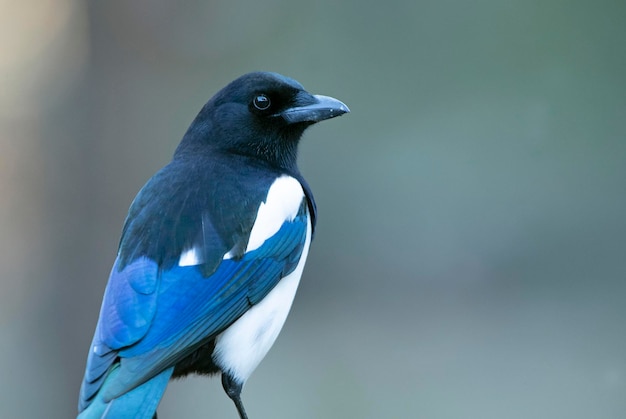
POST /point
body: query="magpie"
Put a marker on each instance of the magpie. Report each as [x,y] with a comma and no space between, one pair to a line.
[211,252]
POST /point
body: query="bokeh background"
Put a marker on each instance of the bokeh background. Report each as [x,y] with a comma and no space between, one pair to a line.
[470,259]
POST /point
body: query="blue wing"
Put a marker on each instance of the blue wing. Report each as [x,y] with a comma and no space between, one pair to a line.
[152,318]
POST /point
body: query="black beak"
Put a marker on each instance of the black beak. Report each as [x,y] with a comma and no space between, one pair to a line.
[318,109]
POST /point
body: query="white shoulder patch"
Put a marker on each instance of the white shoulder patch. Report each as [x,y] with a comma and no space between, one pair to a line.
[281,204]
[190,257]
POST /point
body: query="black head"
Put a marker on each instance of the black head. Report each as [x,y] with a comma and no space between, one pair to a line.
[262,115]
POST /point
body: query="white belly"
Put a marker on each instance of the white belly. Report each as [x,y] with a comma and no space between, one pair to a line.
[241,347]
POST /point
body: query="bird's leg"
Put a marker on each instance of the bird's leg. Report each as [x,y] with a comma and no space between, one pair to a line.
[233,389]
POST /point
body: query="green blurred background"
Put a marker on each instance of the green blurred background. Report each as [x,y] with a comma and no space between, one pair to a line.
[470,259]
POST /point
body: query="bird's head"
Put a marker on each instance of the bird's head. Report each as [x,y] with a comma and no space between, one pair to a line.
[262,115]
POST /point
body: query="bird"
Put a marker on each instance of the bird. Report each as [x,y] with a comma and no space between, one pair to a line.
[211,252]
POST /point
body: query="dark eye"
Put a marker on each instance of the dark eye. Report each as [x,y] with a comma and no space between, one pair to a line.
[261,102]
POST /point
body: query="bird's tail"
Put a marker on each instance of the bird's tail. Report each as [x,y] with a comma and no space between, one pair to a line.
[139,403]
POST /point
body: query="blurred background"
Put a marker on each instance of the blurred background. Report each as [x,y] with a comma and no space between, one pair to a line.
[470,258]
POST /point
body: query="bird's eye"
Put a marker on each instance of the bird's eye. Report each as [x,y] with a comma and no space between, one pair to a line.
[261,102]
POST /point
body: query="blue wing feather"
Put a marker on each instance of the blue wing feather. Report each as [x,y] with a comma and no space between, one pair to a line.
[129,303]
[128,307]
[152,318]
[139,403]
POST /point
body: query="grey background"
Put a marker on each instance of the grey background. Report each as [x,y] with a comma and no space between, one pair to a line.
[470,256]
